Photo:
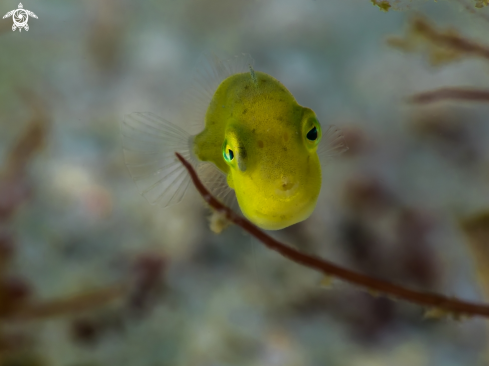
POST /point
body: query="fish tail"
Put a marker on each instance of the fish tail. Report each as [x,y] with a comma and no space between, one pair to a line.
[149,145]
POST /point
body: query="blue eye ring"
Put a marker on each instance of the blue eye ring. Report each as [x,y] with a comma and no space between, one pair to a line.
[227,153]
[230,155]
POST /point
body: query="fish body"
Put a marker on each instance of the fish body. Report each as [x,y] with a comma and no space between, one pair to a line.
[274,170]
[261,144]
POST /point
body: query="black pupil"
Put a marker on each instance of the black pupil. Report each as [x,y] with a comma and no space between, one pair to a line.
[230,154]
[313,134]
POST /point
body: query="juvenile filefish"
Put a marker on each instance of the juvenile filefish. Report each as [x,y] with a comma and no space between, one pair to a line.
[256,145]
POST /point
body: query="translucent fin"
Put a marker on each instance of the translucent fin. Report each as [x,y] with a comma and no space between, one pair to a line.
[209,72]
[149,144]
[217,183]
[332,144]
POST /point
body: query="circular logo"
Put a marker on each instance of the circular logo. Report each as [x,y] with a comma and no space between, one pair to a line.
[20,18]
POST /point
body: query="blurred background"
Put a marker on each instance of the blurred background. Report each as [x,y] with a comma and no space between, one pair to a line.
[91,274]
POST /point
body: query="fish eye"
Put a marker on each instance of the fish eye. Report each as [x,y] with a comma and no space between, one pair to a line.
[311,132]
[228,154]
[312,135]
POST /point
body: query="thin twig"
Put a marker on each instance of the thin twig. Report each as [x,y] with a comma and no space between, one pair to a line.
[443,303]
[453,41]
[73,305]
[457,93]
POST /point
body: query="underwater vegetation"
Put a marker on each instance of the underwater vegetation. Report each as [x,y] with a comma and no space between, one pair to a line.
[442,47]
[440,306]
[382,272]
[93,312]
[467,5]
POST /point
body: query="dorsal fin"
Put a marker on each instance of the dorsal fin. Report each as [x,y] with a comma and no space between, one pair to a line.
[253,76]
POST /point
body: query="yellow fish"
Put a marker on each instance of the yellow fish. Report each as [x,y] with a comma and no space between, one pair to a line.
[257,145]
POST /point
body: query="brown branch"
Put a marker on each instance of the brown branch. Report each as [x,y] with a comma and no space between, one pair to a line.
[72,305]
[471,95]
[14,185]
[442,46]
[442,304]
[450,40]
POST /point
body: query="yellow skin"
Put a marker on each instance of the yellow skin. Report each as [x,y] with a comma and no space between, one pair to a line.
[257,134]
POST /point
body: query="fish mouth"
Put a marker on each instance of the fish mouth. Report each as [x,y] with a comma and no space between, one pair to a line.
[286,188]
[288,212]
[281,218]
[277,203]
